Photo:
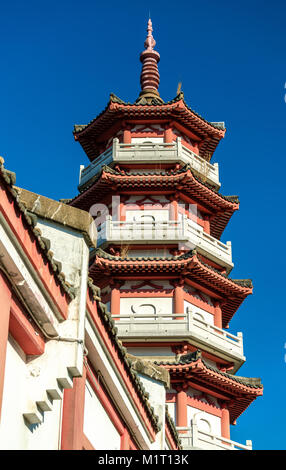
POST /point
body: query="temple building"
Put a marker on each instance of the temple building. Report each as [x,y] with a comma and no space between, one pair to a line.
[116,304]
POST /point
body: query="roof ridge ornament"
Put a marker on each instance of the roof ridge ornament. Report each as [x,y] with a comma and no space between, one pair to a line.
[149,77]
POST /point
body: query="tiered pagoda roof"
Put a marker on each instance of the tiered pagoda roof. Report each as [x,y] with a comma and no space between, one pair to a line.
[110,180]
[239,392]
[175,110]
[231,291]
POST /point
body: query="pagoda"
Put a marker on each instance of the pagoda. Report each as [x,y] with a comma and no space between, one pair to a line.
[163,272]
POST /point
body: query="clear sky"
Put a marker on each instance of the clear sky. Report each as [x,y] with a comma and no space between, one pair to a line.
[59,61]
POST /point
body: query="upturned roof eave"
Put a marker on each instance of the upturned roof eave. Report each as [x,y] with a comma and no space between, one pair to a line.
[176,109]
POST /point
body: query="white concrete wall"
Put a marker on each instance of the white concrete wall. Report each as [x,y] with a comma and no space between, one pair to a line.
[147,215]
[172,410]
[150,253]
[157,399]
[143,140]
[160,352]
[15,434]
[67,246]
[199,312]
[97,426]
[206,422]
[146,306]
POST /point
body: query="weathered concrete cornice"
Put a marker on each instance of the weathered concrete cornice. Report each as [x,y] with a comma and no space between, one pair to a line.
[59,212]
[142,366]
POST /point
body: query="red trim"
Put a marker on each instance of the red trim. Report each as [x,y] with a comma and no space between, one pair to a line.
[200,405]
[199,303]
[145,293]
[24,332]
[125,440]
[86,445]
[73,415]
[5,296]
[29,246]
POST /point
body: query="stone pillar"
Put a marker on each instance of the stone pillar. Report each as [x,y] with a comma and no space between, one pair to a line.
[5,296]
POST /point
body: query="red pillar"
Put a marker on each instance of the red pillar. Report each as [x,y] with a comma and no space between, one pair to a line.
[207,224]
[179,299]
[115,299]
[174,210]
[168,135]
[217,315]
[5,305]
[127,135]
[181,409]
[73,415]
[225,423]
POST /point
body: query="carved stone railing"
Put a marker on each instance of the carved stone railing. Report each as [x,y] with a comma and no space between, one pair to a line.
[184,325]
[185,231]
[152,153]
[193,438]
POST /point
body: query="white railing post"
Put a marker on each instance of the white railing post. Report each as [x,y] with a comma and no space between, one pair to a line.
[195,434]
[189,318]
[228,244]
[185,225]
[216,170]
[115,148]
[108,228]
[179,147]
[131,322]
[249,444]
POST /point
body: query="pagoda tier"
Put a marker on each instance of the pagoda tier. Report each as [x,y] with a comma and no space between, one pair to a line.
[118,116]
[192,370]
[181,183]
[188,267]
[155,199]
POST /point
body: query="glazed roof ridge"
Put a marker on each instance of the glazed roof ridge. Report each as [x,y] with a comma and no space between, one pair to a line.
[31,219]
[252,382]
[112,330]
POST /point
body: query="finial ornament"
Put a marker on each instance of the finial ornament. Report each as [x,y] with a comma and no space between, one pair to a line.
[150,42]
[150,77]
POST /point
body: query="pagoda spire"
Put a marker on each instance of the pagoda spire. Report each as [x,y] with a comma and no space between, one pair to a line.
[149,77]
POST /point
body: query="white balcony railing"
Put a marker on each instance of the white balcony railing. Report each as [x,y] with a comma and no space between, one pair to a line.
[152,153]
[185,325]
[192,437]
[185,231]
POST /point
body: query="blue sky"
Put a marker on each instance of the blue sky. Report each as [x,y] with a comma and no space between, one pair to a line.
[59,61]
